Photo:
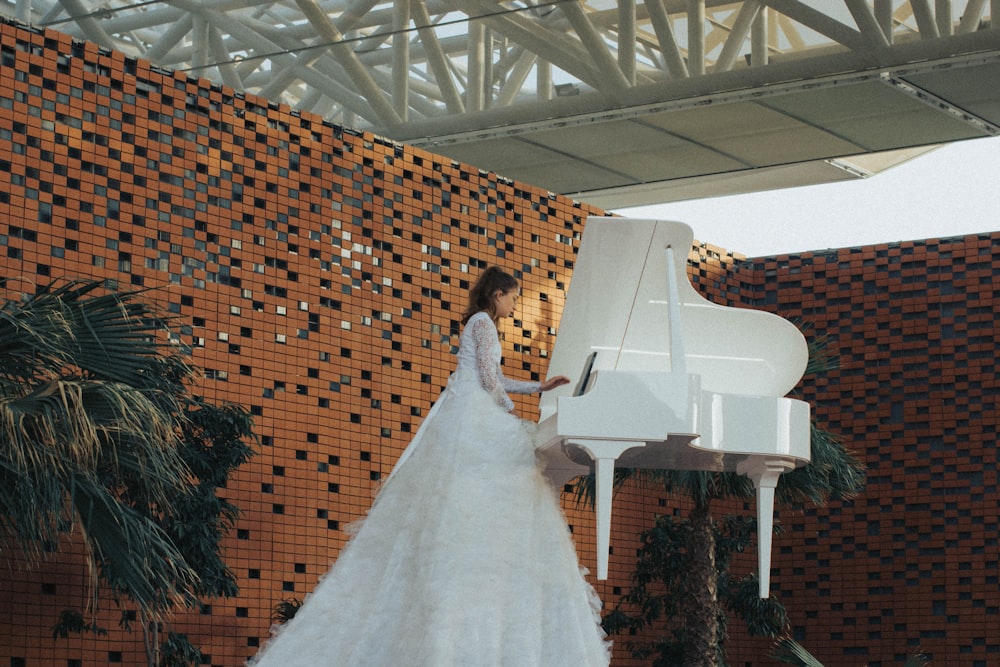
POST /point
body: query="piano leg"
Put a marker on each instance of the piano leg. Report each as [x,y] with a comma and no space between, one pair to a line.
[604,453]
[765,473]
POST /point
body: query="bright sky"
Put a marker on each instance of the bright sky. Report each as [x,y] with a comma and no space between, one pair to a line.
[951,191]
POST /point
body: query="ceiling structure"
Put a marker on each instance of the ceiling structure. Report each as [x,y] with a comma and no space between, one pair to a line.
[616,103]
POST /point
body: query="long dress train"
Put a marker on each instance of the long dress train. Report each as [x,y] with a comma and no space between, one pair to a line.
[464,559]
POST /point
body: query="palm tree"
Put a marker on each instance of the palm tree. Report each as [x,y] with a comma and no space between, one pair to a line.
[699,546]
[101,435]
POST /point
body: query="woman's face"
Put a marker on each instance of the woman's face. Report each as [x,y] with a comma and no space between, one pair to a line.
[506,302]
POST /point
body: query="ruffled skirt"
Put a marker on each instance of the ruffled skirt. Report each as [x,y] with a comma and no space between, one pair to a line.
[464,559]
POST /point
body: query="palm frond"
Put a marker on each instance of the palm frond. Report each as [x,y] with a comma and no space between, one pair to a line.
[133,554]
[822,358]
[117,336]
[31,341]
[97,424]
[791,652]
[917,660]
[66,425]
[70,434]
[832,472]
[584,487]
[700,486]
[110,335]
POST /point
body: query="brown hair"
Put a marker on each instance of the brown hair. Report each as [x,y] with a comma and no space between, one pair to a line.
[492,280]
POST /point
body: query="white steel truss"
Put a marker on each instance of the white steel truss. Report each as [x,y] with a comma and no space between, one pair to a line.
[439,72]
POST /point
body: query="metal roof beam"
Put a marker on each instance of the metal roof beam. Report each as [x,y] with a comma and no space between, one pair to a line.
[437,61]
[611,74]
[557,48]
[673,59]
[820,22]
[348,60]
[737,35]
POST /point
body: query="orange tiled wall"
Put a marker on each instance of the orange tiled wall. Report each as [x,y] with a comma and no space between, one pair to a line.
[320,273]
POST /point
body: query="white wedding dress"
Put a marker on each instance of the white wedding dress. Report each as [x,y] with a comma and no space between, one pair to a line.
[464,559]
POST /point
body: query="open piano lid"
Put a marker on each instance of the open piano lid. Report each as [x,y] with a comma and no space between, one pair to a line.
[618,305]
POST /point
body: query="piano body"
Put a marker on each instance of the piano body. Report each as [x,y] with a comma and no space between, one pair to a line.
[670,379]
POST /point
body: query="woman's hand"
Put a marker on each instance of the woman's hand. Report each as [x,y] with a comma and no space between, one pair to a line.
[555,381]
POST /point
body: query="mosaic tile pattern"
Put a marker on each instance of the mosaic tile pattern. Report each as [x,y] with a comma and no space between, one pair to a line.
[320,274]
[912,563]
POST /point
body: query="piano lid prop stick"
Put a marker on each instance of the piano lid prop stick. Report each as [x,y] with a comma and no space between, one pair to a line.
[677,360]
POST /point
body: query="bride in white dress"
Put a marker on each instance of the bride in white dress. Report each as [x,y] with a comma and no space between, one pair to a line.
[465,558]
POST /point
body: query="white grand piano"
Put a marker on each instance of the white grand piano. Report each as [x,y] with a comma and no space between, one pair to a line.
[667,378]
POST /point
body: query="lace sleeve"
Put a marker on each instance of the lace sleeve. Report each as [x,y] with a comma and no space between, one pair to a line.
[484,335]
[520,386]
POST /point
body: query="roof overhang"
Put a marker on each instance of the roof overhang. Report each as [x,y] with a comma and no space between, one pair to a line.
[800,123]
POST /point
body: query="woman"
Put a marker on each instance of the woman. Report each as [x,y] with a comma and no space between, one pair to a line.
[465,558]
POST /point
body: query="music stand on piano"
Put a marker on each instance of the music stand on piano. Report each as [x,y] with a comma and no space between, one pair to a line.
[584,382]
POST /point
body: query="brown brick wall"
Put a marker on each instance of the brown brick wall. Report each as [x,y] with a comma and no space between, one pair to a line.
[911,564]
[321,273]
